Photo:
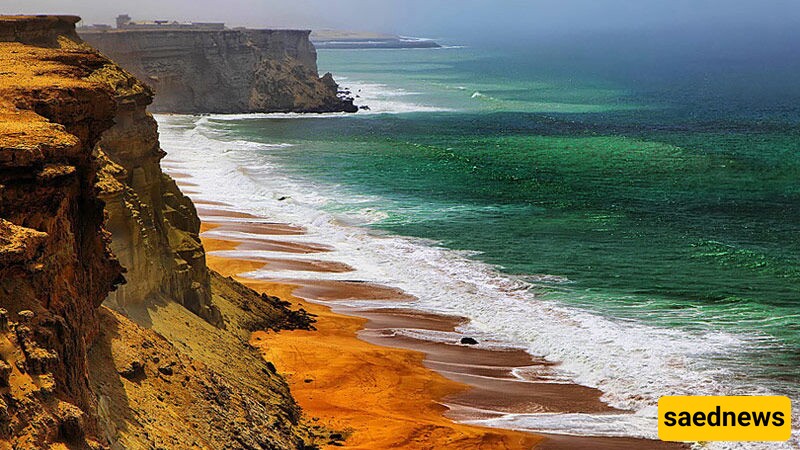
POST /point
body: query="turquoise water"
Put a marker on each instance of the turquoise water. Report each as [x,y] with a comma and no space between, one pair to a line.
[668,197]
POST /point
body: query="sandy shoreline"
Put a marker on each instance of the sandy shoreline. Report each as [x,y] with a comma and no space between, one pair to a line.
[356,373]
[379,397]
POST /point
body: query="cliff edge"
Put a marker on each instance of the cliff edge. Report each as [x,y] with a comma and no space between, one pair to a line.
[73,373]
[225,71]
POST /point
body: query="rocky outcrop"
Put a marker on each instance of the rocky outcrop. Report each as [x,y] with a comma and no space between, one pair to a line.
[74,374]
[154,227]
[227,71]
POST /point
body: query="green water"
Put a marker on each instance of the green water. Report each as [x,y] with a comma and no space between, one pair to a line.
[664,196]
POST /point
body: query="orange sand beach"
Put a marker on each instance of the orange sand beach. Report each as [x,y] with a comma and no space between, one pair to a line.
[382,390]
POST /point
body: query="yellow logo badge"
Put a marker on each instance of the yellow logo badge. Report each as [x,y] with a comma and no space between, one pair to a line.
[757,418]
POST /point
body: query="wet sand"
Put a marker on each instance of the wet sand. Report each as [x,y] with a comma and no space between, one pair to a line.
[273,245]
[336,290]
[395,390]
[210,203]
[220,213]
[310,265]
[378,397]
[179,175]
[265,229]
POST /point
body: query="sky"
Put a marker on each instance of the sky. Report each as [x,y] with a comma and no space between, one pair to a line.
[499,19]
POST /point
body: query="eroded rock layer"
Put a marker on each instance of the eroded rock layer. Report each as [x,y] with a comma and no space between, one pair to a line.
[228,71]
[154,227]
[55,265]
[73,374]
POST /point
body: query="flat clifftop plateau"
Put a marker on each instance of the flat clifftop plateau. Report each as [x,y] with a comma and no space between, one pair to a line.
[225,71]
[80,179]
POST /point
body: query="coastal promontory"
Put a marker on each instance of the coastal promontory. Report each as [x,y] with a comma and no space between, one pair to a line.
[203,69]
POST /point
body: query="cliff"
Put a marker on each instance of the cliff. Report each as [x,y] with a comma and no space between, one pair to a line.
[55,266]
[226,71]
[74,131]
[154,227]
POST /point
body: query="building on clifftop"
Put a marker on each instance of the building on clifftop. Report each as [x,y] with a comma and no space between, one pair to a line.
[125,22]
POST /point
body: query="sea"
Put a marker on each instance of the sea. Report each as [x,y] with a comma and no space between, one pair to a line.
[629,211]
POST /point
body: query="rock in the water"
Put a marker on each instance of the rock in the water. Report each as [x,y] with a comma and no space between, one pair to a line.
[468,341]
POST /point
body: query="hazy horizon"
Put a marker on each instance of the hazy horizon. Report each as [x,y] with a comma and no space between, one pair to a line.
[467,20]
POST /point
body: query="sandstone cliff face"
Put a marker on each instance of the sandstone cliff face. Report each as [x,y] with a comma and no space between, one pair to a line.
[154,227]
[55,267]
[231,71]
[73,130]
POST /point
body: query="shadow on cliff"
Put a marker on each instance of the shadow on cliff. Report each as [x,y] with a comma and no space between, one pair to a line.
[113,406]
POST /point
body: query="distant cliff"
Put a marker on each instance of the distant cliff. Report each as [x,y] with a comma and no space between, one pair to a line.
[336,39]
[227,71]
[75,374]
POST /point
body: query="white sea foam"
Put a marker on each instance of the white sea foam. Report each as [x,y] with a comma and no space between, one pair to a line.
[478,95]
[632,363]
[612,425]
[383,99]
